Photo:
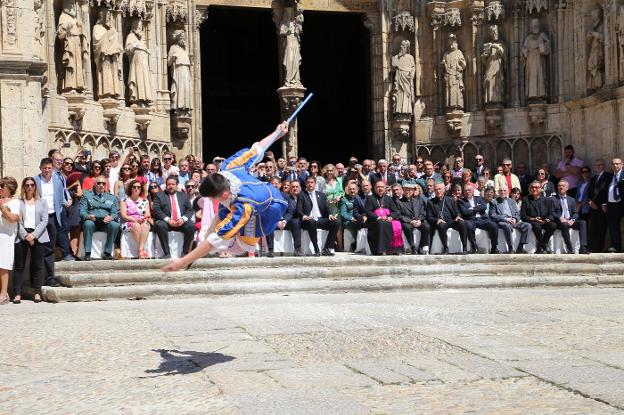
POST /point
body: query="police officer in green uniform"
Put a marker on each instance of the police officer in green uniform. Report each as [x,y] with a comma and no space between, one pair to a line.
[99,211]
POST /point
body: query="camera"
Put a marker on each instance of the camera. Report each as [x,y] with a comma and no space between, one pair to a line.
[66,145]
[86,153]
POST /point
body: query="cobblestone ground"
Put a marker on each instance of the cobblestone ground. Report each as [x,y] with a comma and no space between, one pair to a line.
[520,351]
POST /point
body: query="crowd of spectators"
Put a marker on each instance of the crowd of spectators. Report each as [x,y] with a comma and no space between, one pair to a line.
[71,198]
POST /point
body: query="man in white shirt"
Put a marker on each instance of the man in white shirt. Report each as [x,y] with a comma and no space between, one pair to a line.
[168,168]
[115,167]
[615,205]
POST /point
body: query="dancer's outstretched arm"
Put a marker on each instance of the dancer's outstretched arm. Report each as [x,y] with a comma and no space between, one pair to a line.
[203,249]
[279,132]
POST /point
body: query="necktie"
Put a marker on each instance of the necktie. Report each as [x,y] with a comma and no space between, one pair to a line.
[174,210]
[616,191]
[564,207]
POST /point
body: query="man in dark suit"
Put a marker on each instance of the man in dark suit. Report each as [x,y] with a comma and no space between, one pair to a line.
[615,205]
[476,215]
[290,221]
[314,212]
[524,178]
[388,178]
[173,212]
[537,211]
[566,218]
[442,213]
[412,217]
[505,213]
[597,195]
[479,167]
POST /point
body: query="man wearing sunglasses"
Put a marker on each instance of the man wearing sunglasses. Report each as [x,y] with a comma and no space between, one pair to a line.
[99,211]
[168,167]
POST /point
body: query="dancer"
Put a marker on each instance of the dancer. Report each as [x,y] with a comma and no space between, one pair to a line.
[249,209]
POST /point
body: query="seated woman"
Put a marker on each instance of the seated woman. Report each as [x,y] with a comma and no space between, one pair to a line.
[134,210]
[352,213]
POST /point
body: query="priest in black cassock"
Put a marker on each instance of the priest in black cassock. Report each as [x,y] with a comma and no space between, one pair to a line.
[380,233]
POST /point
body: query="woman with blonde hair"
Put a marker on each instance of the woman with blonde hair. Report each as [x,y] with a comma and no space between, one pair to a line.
[32,236]
[334,192]
[9,216]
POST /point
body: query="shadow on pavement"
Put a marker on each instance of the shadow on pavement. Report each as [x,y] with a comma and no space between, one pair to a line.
[176,362]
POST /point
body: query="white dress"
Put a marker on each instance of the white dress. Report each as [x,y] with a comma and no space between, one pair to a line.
[8,233]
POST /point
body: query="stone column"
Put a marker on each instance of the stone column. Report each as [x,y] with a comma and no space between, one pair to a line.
[23,137]
[475,68]
[436,11]
[515,75]
[378,68]
[580,47]
[610,13]
[199,16]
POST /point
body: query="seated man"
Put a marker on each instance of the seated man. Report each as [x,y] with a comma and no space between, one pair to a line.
[413,217]
[566,217]
[314,212]
[505,214]
[173,211]
[381,211]
[537,211]
[352,213]
[99,211]
[476,214]
[442,213]
[289,219]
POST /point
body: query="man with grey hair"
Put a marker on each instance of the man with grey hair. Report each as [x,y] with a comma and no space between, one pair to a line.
[505,214]
[566,217]
[506,177]
[383,175]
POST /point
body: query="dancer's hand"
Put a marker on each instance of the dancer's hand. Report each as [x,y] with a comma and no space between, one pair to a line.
[175,265]
[283,127]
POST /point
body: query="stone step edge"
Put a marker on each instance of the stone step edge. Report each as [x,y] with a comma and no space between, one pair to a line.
[371,271]
[338,260]
[61,294]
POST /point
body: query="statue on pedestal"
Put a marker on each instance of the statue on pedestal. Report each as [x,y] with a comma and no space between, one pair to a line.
[290,29]
[493,57]
[535,50]
[595,60]
[75,48]
[181,81]
[107,51]
[454,64]
[139,82]
[404,72]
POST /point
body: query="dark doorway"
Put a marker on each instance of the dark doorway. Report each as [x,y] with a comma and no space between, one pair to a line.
[336,67]
[240,75]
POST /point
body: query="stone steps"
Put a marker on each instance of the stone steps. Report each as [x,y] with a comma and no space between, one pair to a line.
[98,280]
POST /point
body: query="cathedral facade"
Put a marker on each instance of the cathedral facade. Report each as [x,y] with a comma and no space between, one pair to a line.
[508,78]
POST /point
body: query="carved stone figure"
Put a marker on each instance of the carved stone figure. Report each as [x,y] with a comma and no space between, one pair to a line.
[39,28]
[181,82]
[493,57]
[75,48]
[290,29]
[595,60]
[139,83]
[107,52]
[404,72]
[535,50]
[454,64]
[620,39]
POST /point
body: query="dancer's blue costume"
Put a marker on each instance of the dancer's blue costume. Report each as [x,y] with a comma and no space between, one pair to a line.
[254,207]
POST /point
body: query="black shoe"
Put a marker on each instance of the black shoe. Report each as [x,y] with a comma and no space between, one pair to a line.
[495,251]
[465,252]
[270,254]
[583,251]
[327,252]
[539,251]
[548,251]
[445,250]
[53,283]
[87,256]
[298,252]
[611,250]
[17,301]
[107,257]
[317,252]
[473,251]
[166,256]
[520,250]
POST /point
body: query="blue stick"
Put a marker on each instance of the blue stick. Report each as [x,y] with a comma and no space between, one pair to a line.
[300,107]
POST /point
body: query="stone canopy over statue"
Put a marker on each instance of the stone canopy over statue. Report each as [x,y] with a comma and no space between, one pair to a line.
[180,64]
[493,58]
[75,49]
[535,51]
[139,83]
[454,64]
[404,68]
[107,52]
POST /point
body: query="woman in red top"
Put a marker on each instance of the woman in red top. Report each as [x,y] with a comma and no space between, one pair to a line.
[89,181]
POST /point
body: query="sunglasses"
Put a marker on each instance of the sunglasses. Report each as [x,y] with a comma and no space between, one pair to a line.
[68,163]
[585,171]
[101,183]
[167,159]
[191,187]
[114,158]
[479,159]
[137,187]
[125,168]
[154,187]
[506,164]
[29,185]
[97,167]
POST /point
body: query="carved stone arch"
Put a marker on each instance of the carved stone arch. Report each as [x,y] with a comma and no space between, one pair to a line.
[555,150]
[89,143]
[469,151]
[423,152]
[438,154]
[487,151]
[154,151]
[521,152]
[143,148]
[116,144]
[503,151]
[539,152]
[60,137]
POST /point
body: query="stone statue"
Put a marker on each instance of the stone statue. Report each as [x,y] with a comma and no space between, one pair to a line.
[107,51]
[535,50]
[139,82]
[75,48]
[39,10]
[454,64]
[595,60]
[290,29]
[181,81]
[620,39]
[404,72]
[493,57]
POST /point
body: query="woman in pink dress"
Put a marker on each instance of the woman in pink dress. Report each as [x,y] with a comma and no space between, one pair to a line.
[135,214]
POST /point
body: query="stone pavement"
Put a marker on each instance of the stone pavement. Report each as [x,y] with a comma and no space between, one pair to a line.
[480,351]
